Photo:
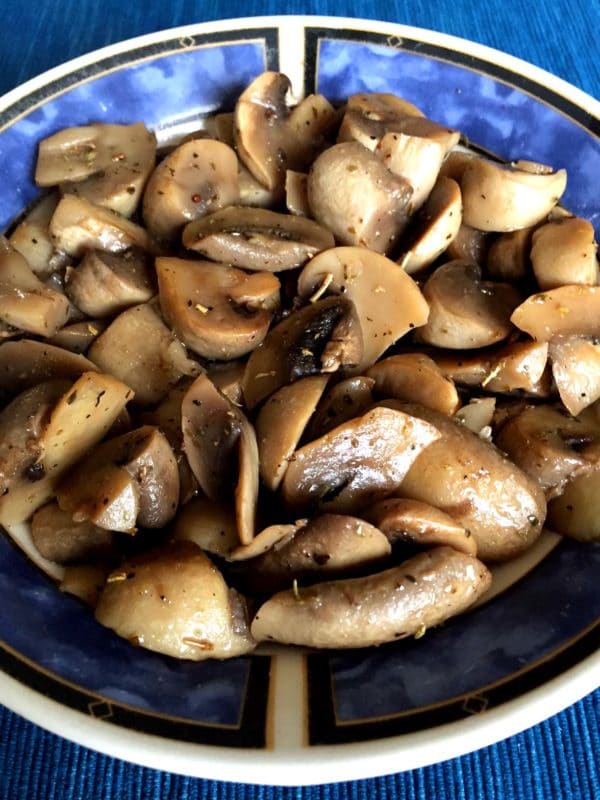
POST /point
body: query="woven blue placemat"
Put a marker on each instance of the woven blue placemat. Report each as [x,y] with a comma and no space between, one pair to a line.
[559,758]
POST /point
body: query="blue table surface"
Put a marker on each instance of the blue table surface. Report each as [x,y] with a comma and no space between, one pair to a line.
[559,758]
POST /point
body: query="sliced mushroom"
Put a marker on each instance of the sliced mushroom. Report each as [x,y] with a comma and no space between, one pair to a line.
[217,311]
[388,302]
[104,284]
[353,194]
[328,546]
[266,540]
[576,371]
[270,137]
[417,159]
[228,377]
[564,252]
[417,378]
[469,479]
[84,581]
[568,310]
[32,239]
[138,348]
[575,512]
[25,302]
[359,612]
[212,526]
[246,489]
[54,435]
[498,198]
[324,336]
[369,116]
[256,238]
[403,520]
[174,601]
[296,193]
[197,178]
[60,539]
[477,415]
[78,225]
[471,244]
[356,463]
[464,311]
[434,228]
[349,398]
[79,337]
[508,257]
[456,162]
[281,423]
[253,193]
[549,446]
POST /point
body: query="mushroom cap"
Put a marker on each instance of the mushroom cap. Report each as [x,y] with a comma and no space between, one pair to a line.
[417,159]
[343,401]
[212,526]
[568,310]
[417,378]
[576,371]
[564,252]
[508,256]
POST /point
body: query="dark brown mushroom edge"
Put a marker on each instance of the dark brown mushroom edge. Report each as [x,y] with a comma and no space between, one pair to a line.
[231,414]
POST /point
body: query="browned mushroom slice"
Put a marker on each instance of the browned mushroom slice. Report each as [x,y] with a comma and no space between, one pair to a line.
[564,252]
[79,337]
[470,244]
[84,581]
[104,284]
[256,238]
[576,371]
[575,512]
[60,539]
[32,239]
[324,336]
[549,446]
[435,227]
[270,137]
[349,398]
[198,177]
[508,257]
[325,547]
[25,363]
[212,526]
[228,377]
[477,415]
[218,312]
[568,310]
[175,601]
[353,194]
[417,378]
[388,302]
[356,463]
[359,612]
[498,198]
[296,193]
[281,423]
[417,159]
[78,225]
[412,521]
[515,366]
[55,435]
[138,348]
[131,479]
[469,479]
[25,302]
[464,311]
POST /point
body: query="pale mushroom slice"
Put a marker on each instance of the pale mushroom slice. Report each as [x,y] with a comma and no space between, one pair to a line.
[575,512]
[568,310]
[512,367]
[26,362]
[456,162]
[405,600]
[281,422]
[388,302]
[508,258]
[266,540]
[104,284]
[434,227]
[564,252]
[175,601]
[417,159]
[349,398]
[212,526]
[325,547]
[78,225]
[32,238]
[270,137]
[369,116]
[296,193]
[126,481]
[470,480]
[219,312]
[72,423]
[25,302]
[417,378]
[576,371]
[253,193]
[321,337]
[62,540]
[499,198]
[256,238]
[357,463]
[470,244]
[247,486]
[139,349]
[79,336]
[353,194]
[403,520]
[197,178]
[465,311]
[549,446]
[477,415]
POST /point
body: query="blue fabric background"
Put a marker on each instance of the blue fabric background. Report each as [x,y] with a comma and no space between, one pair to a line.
[559,758]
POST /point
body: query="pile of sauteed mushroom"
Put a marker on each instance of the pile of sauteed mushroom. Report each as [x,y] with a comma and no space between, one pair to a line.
[301,377]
